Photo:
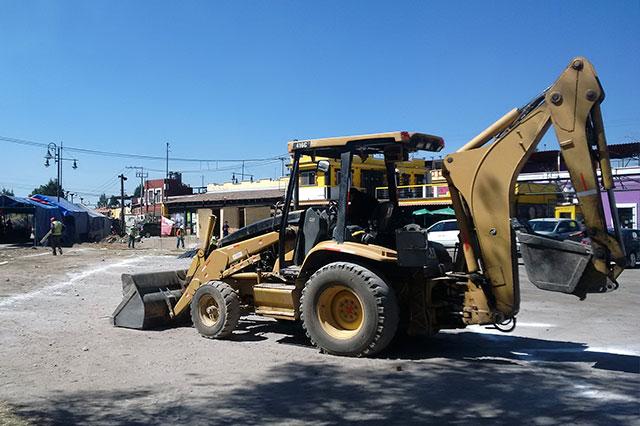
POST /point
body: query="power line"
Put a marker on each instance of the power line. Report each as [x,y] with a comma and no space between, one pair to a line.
[13,185]
[234,167]
[138,156]
[111,181]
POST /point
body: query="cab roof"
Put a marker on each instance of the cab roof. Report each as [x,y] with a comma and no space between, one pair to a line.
[375,143]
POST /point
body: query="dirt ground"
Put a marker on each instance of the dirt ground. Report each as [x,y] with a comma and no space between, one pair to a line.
[63,363]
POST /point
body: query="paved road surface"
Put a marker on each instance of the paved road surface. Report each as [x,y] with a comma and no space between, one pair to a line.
[567,362]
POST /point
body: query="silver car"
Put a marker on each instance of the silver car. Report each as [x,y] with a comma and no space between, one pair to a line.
[559,229]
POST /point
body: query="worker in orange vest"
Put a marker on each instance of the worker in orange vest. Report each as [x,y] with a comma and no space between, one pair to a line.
[180,236]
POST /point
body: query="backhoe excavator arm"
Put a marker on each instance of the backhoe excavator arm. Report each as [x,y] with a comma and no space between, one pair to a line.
[482,177]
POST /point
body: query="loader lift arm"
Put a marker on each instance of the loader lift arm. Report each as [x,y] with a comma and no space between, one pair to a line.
[482,176]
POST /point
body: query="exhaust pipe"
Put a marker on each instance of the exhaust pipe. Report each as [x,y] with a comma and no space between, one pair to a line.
[148,299]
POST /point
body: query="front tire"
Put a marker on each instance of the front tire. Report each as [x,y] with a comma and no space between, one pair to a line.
[215,310]
[348,310]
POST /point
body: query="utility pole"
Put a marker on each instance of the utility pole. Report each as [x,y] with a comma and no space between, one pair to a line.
[122,179]
[59,178]
[167,168]
[142,175]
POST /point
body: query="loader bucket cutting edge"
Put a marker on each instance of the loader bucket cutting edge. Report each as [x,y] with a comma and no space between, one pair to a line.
[146,299]
[562,266]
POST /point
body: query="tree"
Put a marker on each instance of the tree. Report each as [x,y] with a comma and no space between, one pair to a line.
[138,191]
[6,191]
[102,201]
[114,202]
[49,189]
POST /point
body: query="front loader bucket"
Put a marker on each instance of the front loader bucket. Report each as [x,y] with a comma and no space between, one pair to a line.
[563,266]
[147,298]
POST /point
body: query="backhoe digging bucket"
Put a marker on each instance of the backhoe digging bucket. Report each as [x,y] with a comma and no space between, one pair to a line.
[563,266]
[147,298]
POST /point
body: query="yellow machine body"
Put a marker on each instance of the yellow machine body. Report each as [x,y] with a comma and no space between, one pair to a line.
[337,278]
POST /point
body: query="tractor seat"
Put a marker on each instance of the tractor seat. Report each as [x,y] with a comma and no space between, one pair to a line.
[315,228]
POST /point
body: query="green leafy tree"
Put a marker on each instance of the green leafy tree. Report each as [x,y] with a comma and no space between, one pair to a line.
[102,201]
[6,191]
[50,188]
[138,191]
[114,202]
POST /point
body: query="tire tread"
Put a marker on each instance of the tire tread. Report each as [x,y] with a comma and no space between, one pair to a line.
[232,309]
[386,306]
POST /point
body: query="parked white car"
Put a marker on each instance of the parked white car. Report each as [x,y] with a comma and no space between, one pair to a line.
[444,232]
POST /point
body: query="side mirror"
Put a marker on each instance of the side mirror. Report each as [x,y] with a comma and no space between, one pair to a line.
[323,166]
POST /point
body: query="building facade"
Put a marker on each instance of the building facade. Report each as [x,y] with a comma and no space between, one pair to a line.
[155,194]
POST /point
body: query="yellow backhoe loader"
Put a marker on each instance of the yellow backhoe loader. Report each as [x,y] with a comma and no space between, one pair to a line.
[357,270]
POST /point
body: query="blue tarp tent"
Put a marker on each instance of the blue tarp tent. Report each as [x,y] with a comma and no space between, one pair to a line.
[80,222]
[42,212]
[74,218]
[99,224]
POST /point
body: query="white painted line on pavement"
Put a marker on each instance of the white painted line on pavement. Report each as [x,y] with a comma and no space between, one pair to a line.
[488,329]
[579,348]
[614,351]
[589,391]
[534,325]
[54,287]
[38,254]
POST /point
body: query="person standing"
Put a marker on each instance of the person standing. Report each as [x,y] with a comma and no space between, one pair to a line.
[180,236]
[225,229]
[55,239]
[133,234]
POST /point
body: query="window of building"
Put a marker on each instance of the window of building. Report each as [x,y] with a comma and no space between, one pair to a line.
[627,212]
[308,178]
[241,217]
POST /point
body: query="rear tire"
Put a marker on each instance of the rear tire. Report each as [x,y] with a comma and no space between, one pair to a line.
[348,310]
[215,310]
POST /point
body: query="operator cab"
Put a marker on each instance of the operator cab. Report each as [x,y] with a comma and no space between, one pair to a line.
[352,214]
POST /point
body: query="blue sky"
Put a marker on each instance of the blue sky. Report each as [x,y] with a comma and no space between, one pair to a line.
[237,79]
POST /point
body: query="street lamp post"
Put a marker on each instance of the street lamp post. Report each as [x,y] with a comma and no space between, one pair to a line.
[57,157]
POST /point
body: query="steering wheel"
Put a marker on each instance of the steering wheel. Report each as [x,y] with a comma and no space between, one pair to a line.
[278,208]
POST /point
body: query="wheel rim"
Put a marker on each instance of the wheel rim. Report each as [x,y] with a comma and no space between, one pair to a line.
[209,310]
[340,312]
